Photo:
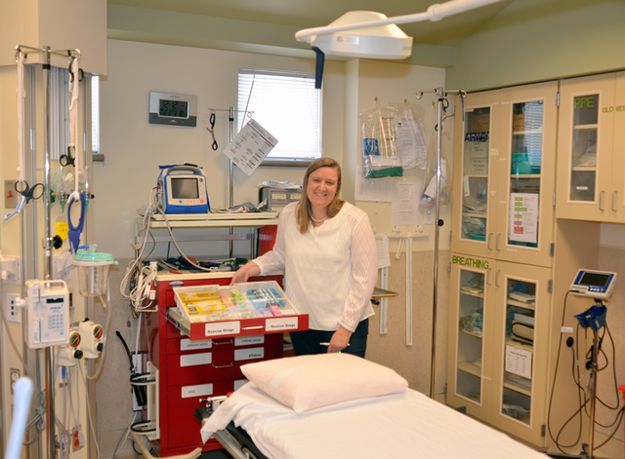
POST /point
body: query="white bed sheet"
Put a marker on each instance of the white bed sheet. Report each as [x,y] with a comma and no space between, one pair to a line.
[403,425]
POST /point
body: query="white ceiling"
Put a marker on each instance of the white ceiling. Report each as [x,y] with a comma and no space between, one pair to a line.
[312,13]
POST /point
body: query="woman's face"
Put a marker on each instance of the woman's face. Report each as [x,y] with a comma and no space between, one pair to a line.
[322,186]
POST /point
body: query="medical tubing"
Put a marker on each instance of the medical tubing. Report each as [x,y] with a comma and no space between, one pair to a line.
[73,123]
[124,436]
[182,254]
[553,385]
[94,437]
[130,270]
[127,349]
[20,58]
[21,95]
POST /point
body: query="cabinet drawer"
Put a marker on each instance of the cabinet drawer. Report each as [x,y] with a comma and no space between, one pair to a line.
[198,367]
[183,344]
[182,401]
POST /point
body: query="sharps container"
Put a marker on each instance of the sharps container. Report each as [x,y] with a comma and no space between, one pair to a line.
[93,270]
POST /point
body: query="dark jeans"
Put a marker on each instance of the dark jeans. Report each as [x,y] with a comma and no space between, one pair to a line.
[307,342]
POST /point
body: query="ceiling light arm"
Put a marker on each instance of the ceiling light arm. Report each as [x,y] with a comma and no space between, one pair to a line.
[435,12]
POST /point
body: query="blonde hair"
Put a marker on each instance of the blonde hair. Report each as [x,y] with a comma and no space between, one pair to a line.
[304,209]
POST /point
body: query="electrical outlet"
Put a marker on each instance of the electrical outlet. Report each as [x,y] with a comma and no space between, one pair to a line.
[14,374]
[13,311]
[11,267]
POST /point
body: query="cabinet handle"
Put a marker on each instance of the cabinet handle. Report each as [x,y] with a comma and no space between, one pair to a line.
[614,195]
[497,242]
[497,278]
[487,275]
[601,196]
[490,238]
[230,365]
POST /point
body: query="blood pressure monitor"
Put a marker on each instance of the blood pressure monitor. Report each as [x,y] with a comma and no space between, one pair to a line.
[183,190]
[592,283]
[173,109]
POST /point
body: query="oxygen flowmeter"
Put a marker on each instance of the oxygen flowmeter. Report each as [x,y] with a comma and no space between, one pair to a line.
[47,310]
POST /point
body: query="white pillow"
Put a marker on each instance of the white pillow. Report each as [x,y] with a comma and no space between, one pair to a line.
[311,381]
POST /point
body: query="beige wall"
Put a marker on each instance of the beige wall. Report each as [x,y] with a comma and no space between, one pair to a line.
[59,25]
[133,148]
[571,37]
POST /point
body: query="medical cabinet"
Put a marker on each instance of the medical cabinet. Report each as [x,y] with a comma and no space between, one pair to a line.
[512,260]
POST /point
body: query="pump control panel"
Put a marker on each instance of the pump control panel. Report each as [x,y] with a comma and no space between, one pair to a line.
[47,310]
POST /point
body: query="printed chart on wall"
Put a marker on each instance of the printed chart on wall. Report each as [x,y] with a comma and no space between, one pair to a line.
[523,218]
[250,147]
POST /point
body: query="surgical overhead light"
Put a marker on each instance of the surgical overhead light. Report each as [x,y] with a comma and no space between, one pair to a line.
[380,42]
[367,34]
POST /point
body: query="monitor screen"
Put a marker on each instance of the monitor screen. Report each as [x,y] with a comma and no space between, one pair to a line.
[594,279]
[184,188]
[173,108]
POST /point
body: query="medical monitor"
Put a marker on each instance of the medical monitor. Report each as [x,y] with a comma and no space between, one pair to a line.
[596,284]
[185,193]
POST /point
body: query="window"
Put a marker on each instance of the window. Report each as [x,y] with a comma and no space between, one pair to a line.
[59,109]
[289,107]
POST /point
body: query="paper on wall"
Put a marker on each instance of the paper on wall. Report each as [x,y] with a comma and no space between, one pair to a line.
[523,225]
[250,147]
[405,205]
[384,259]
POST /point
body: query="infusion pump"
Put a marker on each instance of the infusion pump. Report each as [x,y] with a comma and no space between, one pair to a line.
[47,312]
[592,283]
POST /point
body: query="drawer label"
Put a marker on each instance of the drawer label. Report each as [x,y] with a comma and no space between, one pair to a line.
[283,323]
[201,390]
[249,354]
[187,345]
[222,328]
[249,340]
[191,360]
[239,383]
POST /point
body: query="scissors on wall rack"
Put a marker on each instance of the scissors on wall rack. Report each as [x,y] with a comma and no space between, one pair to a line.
[29,193]
[211,129]
[67,159]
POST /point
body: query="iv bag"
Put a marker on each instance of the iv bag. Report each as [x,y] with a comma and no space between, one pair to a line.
[379,150]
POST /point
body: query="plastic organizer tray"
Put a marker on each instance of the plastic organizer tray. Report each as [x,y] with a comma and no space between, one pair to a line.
[216,310]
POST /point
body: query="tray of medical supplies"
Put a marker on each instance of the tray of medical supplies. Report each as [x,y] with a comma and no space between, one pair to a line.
[220,311]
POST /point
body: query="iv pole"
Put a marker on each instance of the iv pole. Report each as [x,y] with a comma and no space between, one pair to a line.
[441,95]
[47,243]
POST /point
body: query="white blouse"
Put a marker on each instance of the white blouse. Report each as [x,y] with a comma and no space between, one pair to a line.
[330,270]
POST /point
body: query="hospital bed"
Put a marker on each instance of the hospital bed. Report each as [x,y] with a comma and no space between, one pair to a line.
[265,419]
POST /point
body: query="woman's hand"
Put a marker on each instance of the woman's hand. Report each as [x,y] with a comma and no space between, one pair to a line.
[246,271]
[339,340]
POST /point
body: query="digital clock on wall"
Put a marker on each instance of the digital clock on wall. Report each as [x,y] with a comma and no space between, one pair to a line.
[173,109]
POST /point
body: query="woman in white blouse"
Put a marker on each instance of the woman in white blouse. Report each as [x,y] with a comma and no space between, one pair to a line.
[326,249]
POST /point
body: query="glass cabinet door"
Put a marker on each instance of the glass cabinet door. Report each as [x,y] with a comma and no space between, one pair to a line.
[475,174]
[583,173]
[525,173]
[518,349]
[470,333]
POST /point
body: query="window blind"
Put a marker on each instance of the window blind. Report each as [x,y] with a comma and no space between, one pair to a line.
[288,106]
